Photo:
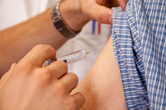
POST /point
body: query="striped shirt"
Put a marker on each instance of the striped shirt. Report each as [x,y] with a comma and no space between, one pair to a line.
[139,41]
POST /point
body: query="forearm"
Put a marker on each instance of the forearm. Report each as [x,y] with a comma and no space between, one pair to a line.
[16,41]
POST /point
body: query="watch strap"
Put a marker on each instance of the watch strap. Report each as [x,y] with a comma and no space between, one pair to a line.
[60,24]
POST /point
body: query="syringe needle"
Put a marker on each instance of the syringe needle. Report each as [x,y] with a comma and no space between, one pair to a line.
[88,52]
[70,58]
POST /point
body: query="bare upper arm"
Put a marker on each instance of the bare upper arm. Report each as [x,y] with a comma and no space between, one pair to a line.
[102,87]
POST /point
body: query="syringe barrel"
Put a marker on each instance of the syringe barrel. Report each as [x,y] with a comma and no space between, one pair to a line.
[73,57]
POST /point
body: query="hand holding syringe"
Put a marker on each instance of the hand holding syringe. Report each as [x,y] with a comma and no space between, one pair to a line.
[70,58]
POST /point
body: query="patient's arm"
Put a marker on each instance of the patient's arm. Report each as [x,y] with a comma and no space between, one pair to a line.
[102,86]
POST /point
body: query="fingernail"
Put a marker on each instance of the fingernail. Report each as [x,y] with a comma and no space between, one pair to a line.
[111,20]
[100,2]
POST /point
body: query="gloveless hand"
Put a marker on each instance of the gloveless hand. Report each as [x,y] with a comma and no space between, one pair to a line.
[28,86]
[98,10]
[76,13]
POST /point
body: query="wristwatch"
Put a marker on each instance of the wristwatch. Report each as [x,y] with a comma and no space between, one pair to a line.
[60,24]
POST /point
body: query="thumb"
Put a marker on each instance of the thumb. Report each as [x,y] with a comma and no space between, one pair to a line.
[6,75]
[98,12]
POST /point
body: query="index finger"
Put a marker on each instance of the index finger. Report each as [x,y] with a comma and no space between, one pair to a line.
[39,54]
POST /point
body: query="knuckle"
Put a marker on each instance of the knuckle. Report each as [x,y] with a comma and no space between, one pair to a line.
[45,72]
[39,46]
[24,68]
[63,65]
[60,88]
[99,17]
[43,77]
[45,48]
[75,77]
[73,103]
[84,8]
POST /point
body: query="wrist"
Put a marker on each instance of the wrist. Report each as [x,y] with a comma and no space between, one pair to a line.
[72,15]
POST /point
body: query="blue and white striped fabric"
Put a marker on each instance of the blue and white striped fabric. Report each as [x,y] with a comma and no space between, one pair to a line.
[139,40]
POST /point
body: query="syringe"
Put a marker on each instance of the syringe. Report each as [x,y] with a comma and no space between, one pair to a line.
[70,58]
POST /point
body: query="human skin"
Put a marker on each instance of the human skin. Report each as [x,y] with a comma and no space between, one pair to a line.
[102,87]
[17,41]
[28,86]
